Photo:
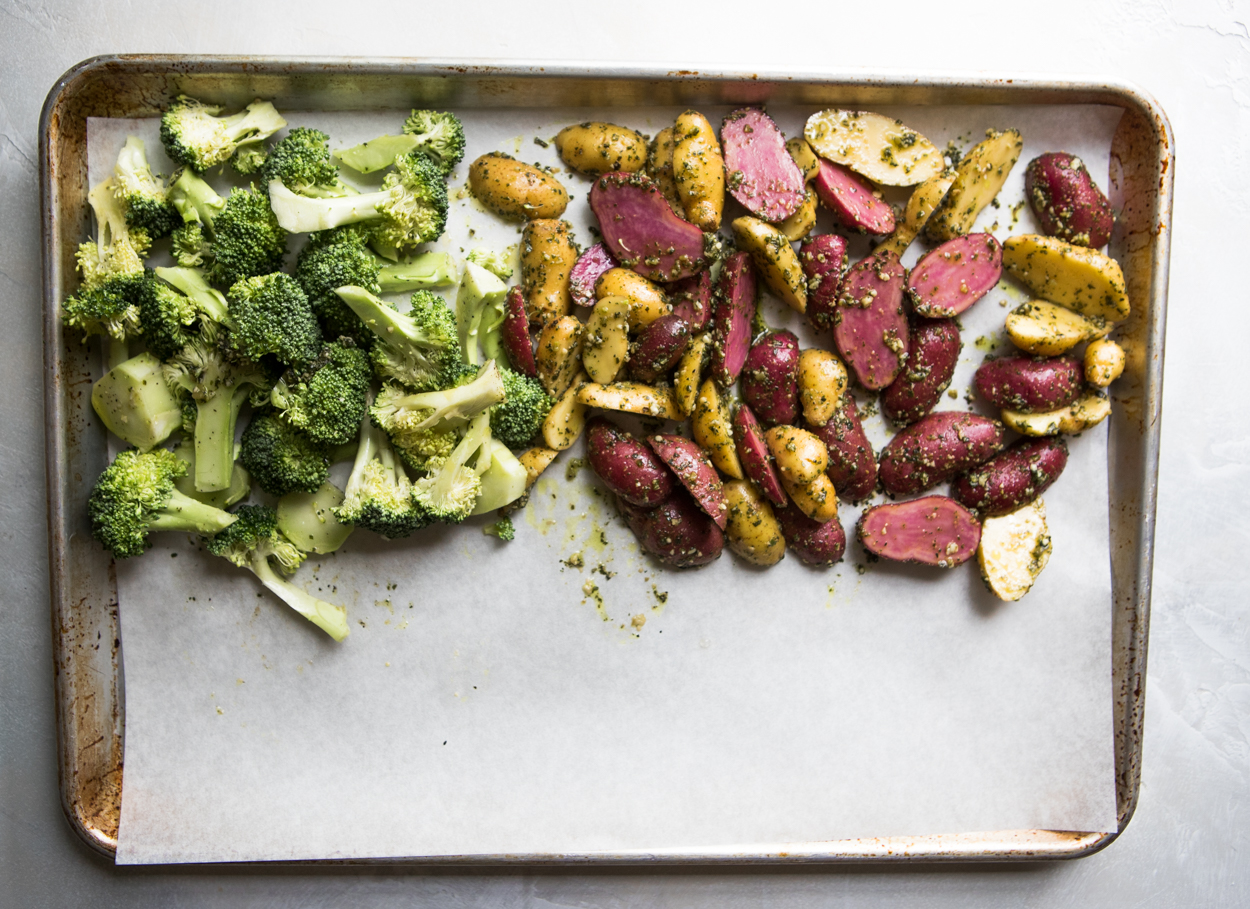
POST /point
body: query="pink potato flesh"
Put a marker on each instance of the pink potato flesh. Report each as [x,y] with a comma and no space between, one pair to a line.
[641,231]
[627,466]
[823,259]
[733,307]
[849,196]
[757,460]
[692,300]
[516,334]
[588,268]
[870,325]
[660,345]
[694,468]
[933,354]
[770,378]
[677,532]
[933,530]
[952,277]
[1030,384]
[852,463]
[1013,478]
[759,172]
[1066,201]
[813,542]
[936,448]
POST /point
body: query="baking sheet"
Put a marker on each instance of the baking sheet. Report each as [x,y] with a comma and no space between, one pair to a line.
[625,709]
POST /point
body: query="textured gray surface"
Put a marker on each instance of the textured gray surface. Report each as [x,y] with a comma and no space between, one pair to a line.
[1187,843]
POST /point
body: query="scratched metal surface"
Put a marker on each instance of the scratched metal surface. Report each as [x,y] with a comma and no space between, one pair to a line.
[1181,847]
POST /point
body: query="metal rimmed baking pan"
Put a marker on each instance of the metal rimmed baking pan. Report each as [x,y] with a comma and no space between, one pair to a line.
[89,686]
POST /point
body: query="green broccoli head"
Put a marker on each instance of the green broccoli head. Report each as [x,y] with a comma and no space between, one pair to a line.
[270,315]
[333,259]
[143,195]
[327,398]
[109,308]
[249,158]
[449,492]
[194,135]
[439,134]
[502,529]
[419,348]
[517,420]
[378,496]
[189,245]
[255,528]
[165,317]
[246,239]
[135,496]
[415,208]
[302,162]
[281,458]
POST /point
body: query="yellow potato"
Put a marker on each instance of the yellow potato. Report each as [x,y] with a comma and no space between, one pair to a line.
[1086,411]
[690,372]
[1047,330]
[605,344]
[822,382]
[921,205]
[751,528]
[978,178]
[1081,279]
[775,258]
[548,254]
[660,168]
[1013,551]
[818,499]
[699,170]
[800,455]
[567,417]
[1104,363]
[515,190]
[631,397]
[879,147]
[711,426]
[535,460]
[559,354]
[804,157]
[649,301]
[800,224]
[596,148]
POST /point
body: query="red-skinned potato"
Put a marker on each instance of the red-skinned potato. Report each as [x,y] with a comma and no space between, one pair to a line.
[626,465]
[936,448]
[757,460]
[733,307]
[1030,384]
[870,327]
[933,354]
[1014,478]
[588,268]
[952,277]
[933,530]
[692,300]
[516,334]
[769,380]
[824,262]
[852,463]
[677,531]
[815,543]
[695,471]
[641,231]
[849,196]
[660,345]
[1066,201]
[760,173]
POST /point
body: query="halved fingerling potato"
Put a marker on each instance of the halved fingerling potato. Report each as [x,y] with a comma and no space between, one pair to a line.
[689,373]
[800,224]
[648,301]
[605,345]
[513,189]
[878,147]
[1014,549]
[712,427]
[699,170]
[567,417]
[631,397]
[800,455]
[1082,279]
[548,255]
[775,258]
[817,499]
[752,530]
[804,157]
[1047,329]
[595,148]
[536,460]
[822,380]
[921,205]
[1086,411]
[978,178]
[559,354]
[1104,363]
[660,167]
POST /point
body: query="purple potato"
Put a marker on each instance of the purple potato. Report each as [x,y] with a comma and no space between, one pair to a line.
[1030,384]
[815,543]
[517,342]
[626,465]
[770,378]
[933,530]
[759,172]
[1014,478]
[952,277]
[936,448]
[933,354]
[852,463]
[870,326]
[587,270]
[849,196]
[757,460]
[692,300]
[660,345]
[677,532]
[1066,201]
[733,307]
[824,261]
[694,468]
[641,231]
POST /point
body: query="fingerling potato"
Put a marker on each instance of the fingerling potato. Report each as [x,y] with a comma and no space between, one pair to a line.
[516,190]
[595,148]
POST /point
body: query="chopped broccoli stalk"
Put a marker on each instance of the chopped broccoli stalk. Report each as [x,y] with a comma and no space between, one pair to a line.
[502,529]
[439,134]
[194,135]
[517,420]
[498,264]
[327,399]
[410,418]
[410,209]
[270,314]
[376,153]
[451,489]
[432,269]
[307,519]
[419,347]
[480,314]
[302,163]
[195,200]
[209,302]
[136,404]
[251,542]
[504,480]
[379,495]
[143,195]
[238,490]
[165,317]
[136,495]
[280,458]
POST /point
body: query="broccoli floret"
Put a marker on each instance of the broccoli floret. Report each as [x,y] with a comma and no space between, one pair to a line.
[498,264]
[410,209]
[249,159]
[439,135]
[118,249]
[188,245]
[209,302]
[450,491]
[110,308]
[251,541]
[165,317]
[517,420]
[407,417]
[326,400]
[281,458]
[143,195]
[270,314]
[136,404]
[135,496]
[193,134]
[195,200]
[418,348]
[243,236]
[379,495]
[480,310]
[302,163]
[502,529]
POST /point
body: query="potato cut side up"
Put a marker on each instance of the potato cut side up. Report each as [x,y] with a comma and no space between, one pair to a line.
[850,199]
[588,268]
[978,178]
[641,231]
[760,172]
[870,326]
[1083,280]
[695,471]
[732,309]
[879,147]
[955,275]
[631,397]
[933,530]
[692,300]
[757,460]
[1013,551]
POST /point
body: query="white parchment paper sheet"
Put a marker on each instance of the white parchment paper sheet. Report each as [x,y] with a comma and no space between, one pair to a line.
[493,699]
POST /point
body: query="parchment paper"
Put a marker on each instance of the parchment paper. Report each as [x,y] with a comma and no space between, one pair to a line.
[497,698]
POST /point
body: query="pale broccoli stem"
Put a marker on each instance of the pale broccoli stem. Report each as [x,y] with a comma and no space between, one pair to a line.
[183,513]
[329,618]
[215,423]
[303,214]
[433,269]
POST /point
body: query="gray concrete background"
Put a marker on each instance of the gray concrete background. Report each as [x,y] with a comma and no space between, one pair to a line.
[1187,844]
